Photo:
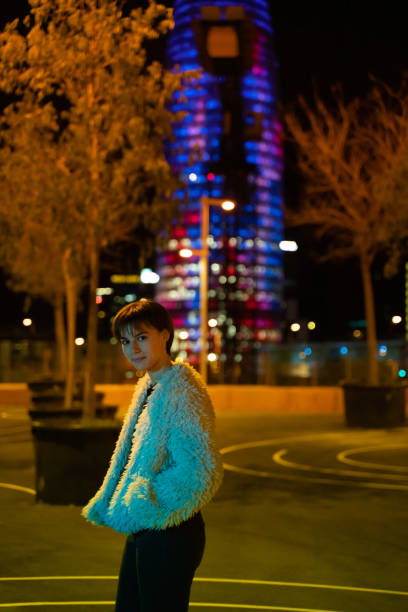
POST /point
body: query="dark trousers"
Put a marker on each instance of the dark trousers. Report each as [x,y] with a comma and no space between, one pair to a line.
[158,567]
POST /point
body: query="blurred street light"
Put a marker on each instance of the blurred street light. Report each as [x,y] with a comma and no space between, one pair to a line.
[383,350]
[228,205]
[288,245]
[186,253]
[148,277]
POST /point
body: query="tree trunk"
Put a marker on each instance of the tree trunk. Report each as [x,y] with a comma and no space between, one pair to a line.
[60,336]
[71,289]
[373,371]
[92,336]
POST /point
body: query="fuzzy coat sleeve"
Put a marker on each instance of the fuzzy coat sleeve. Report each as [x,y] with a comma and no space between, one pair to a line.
[96,508]
[193,471]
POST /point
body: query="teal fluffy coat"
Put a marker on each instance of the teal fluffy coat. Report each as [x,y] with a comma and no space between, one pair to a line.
[166,468]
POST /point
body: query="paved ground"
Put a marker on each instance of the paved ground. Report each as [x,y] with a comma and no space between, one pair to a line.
[311,517]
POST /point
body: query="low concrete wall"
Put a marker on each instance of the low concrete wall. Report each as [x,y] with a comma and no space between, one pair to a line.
[265,398]
[226,398]
[251,398]
[14,394]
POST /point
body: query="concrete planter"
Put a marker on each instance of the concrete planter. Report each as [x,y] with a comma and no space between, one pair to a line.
[379,406]
[50,398]
[49,403]
[76,412]
[46,384]
[71,458]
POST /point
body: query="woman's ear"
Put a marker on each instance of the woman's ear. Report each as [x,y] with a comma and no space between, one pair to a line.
[166,334]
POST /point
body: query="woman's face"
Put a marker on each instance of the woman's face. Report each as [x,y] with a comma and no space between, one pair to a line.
[145,347]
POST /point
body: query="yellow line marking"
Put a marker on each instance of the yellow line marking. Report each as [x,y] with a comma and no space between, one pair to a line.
[275,475]
[344,458]
[341,483]
[255,607]
[306,585]
[278,458]
[29,604]
[7,485]
[250,472]
[301,585]
[259,443]
[28,578]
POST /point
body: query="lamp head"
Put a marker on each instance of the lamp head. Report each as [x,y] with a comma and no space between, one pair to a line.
[228,205]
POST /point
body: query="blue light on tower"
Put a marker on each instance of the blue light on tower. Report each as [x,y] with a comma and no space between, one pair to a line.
[231,120]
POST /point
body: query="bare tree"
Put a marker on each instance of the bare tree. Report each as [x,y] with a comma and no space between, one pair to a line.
[347,154]
[82,64]
[41,250]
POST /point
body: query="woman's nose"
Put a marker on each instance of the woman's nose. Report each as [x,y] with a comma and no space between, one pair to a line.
[135,346]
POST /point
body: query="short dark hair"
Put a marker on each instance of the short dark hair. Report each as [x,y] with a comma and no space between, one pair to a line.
[144,311]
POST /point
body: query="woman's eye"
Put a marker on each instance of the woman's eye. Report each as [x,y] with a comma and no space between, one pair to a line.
[126,341]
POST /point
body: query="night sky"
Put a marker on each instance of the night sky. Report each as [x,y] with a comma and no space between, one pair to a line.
[317,46]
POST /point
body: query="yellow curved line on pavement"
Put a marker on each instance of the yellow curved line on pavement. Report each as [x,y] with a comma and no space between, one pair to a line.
[277,458]
[302,585]
[34,578]
[322,480]
[32,604]
[255,607]
[29,604]
[266,474]
[306,585]
[7,485]
[343,456]
[259,443]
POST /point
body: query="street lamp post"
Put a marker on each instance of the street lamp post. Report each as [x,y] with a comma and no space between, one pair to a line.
[205,230]
[203,253]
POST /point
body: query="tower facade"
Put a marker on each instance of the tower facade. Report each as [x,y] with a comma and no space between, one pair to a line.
[227,146]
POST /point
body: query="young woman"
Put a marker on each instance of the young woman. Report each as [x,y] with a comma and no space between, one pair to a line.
[164,470]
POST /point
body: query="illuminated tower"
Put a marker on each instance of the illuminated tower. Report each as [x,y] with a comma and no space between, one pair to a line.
[232,120]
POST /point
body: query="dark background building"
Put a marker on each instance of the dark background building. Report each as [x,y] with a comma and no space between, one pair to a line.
[232,120]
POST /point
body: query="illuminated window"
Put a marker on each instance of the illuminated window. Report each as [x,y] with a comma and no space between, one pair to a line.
[222,41]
